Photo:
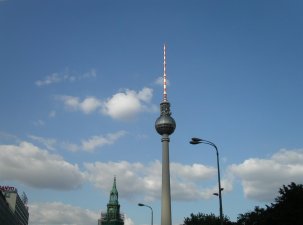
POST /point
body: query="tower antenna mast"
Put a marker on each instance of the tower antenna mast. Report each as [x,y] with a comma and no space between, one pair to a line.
[164,76]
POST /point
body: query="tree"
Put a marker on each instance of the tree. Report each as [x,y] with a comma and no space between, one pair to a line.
[205,219]
[286,210]
[257,217]
[288,207]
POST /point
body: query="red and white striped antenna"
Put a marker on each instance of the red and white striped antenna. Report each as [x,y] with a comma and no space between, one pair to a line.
[164,77]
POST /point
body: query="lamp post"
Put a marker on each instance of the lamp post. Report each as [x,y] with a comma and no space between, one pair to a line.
[195,141]
[152,216]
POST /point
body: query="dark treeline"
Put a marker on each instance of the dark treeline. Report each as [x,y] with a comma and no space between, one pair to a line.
[287,209]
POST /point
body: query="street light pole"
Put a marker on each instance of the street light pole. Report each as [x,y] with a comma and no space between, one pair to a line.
[152,216]
[195,141]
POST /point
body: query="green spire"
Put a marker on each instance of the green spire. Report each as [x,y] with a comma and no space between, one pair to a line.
[112,216]
[113,199]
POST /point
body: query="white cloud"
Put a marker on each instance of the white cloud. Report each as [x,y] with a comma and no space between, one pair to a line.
[38,168]
[49,143]
[98,141]
[88,105]
[126,105]
[128,221]
[145,94]
[89,145]
[60,213]
[121,106]
[50,79]
[135,180]
[193,172]
[185,178]
[262,178]
[65,76]
[70,101]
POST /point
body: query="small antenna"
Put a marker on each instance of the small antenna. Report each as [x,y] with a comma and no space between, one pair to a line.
[164,76]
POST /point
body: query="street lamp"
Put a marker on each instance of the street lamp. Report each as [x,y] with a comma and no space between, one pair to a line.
[195,141]
[216,194]
[140,204]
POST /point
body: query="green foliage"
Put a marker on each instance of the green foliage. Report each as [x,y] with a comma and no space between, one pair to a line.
[205,219]
[286,210]
[288,207]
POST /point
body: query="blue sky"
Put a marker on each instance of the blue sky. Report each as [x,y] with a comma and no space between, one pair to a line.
[80,92]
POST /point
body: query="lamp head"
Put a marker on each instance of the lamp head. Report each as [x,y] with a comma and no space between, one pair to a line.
[195,141]
[140,204]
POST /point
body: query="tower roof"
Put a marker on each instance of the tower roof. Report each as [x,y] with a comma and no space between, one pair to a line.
[113,198]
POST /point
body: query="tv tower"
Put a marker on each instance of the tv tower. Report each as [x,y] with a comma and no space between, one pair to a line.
[165,125]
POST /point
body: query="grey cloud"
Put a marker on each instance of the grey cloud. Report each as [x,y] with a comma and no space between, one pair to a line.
[262,178]
[38,168]
[136,179]
[52,213]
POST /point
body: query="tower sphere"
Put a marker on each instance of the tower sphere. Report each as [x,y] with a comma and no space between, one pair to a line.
[165,125]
